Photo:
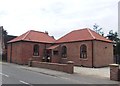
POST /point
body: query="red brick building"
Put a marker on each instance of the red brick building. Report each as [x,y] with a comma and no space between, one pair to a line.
[31,44]
[85,47]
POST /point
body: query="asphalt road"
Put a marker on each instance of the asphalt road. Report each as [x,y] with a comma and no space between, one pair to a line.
[13,74]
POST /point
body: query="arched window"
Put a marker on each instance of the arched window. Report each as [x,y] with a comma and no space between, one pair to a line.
[83,51]
[64,51]
[36,50]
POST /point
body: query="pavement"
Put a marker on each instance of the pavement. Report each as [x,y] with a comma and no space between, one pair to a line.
[93,72]
[102,73]
[97,72]
[43,71]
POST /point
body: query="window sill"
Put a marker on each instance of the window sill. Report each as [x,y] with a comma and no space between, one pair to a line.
[35,56]
[64,58]
[83,59]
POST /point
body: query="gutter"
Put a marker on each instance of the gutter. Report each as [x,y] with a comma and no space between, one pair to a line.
[92,54]
[10,52]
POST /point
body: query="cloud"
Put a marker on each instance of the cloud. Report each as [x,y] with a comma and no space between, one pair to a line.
[57,16]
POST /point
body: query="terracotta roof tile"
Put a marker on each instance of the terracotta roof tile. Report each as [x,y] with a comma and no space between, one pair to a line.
[34,36]
[80,35]
[53,47]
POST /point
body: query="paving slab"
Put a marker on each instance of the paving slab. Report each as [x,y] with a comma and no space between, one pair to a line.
[98,72]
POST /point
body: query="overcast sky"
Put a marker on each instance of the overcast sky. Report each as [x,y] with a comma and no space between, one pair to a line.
[58,17]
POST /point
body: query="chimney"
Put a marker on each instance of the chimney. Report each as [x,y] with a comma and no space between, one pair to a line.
[53,37]
[46,32]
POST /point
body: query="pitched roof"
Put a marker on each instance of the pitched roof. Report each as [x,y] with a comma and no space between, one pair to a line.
[53,47]
[81,35]
[34,36]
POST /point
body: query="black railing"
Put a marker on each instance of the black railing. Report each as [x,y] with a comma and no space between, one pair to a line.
[117,59]
[119,75]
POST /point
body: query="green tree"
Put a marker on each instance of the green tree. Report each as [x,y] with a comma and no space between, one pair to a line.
[4,43]
[98,29]
[118,48]
[114,37]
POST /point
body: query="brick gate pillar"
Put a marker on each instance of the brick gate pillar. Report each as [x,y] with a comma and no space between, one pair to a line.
[30,62]
[114,72]
[70,67]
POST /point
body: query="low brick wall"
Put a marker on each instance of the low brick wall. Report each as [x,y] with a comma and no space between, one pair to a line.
[68,67]
[114,72]
[119,74]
